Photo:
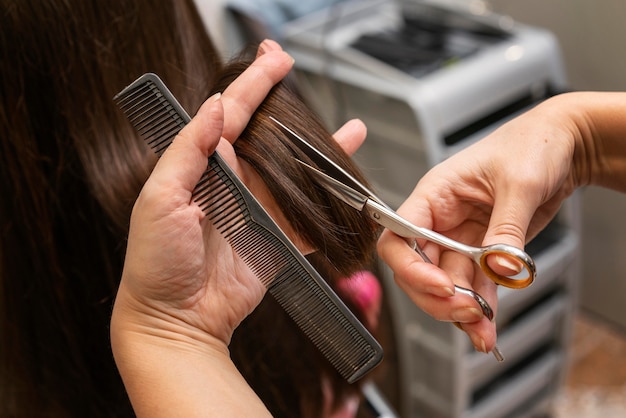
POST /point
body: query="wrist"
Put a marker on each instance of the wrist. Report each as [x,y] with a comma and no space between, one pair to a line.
[137,323]
[597,123]
[169,369]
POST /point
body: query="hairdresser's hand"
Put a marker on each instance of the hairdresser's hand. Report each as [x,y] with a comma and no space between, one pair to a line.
[169,232]
[183,290]
[160,224]
[503,189]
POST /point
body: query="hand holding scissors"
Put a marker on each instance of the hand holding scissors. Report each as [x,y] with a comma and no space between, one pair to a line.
[352,192]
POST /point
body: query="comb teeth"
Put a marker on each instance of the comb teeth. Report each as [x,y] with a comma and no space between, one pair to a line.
[237,215]
[156,117]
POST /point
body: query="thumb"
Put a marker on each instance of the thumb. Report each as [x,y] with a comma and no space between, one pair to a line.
[508,224]
[186,158]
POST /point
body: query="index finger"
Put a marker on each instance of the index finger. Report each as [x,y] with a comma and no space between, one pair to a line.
[411,273]
[244,95]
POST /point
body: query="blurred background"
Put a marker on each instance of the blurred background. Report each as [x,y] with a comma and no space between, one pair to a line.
[577,45]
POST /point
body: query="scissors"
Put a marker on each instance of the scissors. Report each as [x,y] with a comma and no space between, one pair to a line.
[349,190]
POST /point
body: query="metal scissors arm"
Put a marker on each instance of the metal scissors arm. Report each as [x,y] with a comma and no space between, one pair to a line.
[401,227]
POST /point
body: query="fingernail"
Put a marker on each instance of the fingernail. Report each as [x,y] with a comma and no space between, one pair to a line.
[441,291]
[508,263]
[478,343]
[467,315]
[266,46]
[215,97]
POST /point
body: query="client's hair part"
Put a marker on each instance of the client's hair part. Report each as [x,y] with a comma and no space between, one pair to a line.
[278,361]
[347,237]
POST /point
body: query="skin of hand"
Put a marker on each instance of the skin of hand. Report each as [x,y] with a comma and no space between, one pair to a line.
[505,189]
[183,290]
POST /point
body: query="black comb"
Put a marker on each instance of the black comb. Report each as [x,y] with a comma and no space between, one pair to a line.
[230,206]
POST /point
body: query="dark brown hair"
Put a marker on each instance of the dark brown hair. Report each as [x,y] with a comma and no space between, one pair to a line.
[70,169]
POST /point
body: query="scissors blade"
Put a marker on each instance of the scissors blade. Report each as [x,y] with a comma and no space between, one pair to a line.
[342,178]
[343,192]
[380,213]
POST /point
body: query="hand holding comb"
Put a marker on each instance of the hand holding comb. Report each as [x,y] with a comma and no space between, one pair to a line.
[268,252]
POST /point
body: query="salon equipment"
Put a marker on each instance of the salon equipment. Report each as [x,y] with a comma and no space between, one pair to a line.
[244,223]
[350,191]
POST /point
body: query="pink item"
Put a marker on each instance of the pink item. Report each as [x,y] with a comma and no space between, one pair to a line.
[364,290]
